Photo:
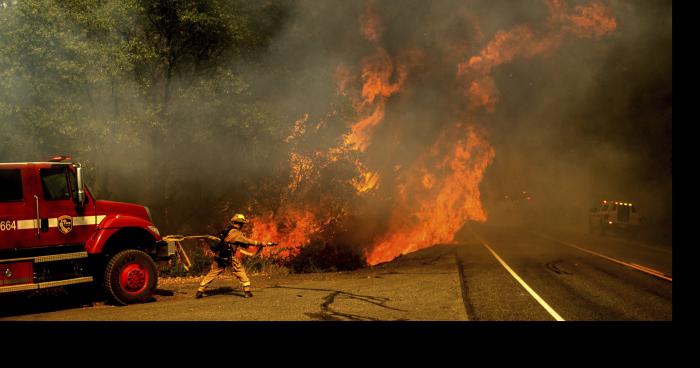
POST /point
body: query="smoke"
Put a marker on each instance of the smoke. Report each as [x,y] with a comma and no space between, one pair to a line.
[591,122]
[416,102]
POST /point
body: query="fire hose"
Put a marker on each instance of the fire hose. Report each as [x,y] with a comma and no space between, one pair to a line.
[177,239]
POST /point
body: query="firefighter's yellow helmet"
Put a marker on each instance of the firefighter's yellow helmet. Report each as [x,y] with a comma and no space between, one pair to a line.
[239,218]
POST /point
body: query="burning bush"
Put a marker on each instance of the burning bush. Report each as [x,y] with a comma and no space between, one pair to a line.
[323,256]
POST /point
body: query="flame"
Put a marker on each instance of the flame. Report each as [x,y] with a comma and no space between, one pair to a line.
[592,20]
[291,228]
[300,165]
[301,168]
[366,181]
[483,92]
[376,73]
[444,210]
[377,87]
[294,226]
[428,181]
[370,25]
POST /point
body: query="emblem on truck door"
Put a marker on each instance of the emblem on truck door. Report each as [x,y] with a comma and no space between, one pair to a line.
[65,224]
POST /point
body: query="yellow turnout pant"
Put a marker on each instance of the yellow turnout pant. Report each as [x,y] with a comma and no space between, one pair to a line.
[217,269]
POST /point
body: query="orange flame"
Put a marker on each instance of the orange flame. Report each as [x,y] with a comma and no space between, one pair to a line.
[367,180]
[292,229]
[370,24]
[428,181]
[592,20]
[377,72]
[439,214]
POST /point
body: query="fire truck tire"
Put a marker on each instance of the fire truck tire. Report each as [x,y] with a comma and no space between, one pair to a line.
[130,277]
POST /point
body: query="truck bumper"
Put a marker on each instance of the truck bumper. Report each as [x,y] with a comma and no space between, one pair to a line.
[165,251]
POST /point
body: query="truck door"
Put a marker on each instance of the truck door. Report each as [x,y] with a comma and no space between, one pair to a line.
[62,221]
[17,210]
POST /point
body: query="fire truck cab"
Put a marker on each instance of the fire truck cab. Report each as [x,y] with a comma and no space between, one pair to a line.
[53,232]
[614,216]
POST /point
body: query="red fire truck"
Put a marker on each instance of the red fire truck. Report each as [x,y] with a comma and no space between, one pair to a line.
[53,232]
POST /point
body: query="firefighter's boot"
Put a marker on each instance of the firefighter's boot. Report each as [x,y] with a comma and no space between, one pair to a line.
[247,293]
[199,294]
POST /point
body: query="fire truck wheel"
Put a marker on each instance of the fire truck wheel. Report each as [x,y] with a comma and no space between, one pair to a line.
[130,277]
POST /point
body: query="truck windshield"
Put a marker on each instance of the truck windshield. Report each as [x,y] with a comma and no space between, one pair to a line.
[623,213]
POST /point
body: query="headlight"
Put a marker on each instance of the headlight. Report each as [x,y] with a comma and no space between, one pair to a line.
[154,229]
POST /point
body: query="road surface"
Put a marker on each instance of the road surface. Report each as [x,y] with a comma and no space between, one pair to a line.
[515,274]
[489,274]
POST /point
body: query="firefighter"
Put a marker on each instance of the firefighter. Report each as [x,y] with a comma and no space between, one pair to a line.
[225,253]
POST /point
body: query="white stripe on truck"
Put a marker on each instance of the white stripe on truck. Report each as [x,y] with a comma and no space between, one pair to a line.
[53,222]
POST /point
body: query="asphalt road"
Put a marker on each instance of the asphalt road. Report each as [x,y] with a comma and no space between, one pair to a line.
[570,276]
[490,274]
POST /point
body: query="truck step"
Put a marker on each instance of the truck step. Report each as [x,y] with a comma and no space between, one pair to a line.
[45,285]
[49,258]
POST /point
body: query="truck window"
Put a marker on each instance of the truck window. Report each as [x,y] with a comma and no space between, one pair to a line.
[10,185]
[55,184]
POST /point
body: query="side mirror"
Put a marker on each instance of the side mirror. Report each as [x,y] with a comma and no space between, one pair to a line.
[81,191]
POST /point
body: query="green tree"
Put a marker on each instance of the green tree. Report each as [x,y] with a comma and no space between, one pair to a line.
[139,89]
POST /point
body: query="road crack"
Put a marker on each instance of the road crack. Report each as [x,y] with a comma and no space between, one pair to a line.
[328,313]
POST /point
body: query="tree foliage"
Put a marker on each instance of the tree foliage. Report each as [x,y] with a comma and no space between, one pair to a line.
[150,90]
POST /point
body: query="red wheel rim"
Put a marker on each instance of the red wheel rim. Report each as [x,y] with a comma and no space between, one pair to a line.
[133,278]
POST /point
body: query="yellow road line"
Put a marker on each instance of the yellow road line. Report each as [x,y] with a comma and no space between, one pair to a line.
[635,266]
[544,304]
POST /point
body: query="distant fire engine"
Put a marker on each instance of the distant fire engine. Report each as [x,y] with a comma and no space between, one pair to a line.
[614,215]
[53,232]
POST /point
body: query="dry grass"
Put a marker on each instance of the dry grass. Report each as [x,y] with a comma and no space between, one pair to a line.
[316,257]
